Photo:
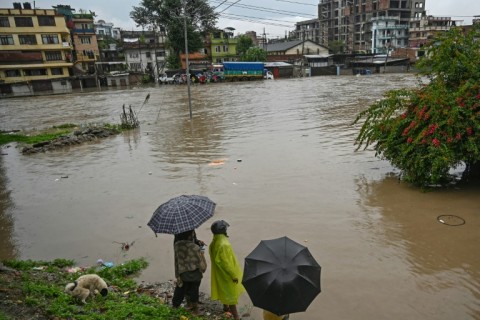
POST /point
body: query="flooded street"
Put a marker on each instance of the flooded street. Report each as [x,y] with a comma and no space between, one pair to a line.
[290,168]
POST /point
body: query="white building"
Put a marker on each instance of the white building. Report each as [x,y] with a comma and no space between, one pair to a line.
[388,34]
[145,52]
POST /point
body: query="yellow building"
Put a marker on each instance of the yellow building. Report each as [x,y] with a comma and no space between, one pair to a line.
[35,50]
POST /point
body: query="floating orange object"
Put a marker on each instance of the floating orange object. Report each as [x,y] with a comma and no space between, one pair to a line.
[217,162]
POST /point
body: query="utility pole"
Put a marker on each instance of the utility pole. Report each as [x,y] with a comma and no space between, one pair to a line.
[186,56]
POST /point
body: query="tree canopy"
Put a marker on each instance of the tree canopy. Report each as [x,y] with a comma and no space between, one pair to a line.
[431,129]
[243,44]
[254,54]
[170,14]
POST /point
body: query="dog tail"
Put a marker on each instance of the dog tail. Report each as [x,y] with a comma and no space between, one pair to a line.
[75,284]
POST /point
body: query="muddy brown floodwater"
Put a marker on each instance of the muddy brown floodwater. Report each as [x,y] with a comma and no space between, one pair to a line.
[384,254]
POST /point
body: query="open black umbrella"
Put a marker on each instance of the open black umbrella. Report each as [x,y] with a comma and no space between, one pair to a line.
[181,214]
[281,276]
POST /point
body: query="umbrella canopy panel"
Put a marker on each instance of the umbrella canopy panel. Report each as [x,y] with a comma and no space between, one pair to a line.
[281,276]
[180,214]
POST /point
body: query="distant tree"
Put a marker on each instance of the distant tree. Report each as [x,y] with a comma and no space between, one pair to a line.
[255,54]
[336,46]
[429,130]
[244,43]
[200,16]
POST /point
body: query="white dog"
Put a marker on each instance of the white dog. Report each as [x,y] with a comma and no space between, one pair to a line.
[85,286]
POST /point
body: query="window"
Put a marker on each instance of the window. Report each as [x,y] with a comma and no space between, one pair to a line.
[135,66]
[85,26]
[147,54]
[5,40]
[85,40]
[88,53]
[56,71]
[133,55]
[46,21]
[4,22]
[53,55]
[12,73]
[217,49]
[27,39]
[225,48]
[35,72]
[49,38]
[23,21]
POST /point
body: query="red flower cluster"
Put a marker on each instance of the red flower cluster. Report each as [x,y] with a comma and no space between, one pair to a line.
[469,131]
[407,129]
[436,142]
[432,128]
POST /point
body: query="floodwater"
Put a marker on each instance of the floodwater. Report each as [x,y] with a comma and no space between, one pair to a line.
[290,168]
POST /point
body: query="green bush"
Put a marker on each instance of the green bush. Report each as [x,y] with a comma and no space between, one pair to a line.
[429,130]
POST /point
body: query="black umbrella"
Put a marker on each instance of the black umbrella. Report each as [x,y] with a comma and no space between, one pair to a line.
[181,214]
[281,276]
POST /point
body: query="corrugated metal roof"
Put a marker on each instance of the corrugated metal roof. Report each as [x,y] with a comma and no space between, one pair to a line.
[282,46]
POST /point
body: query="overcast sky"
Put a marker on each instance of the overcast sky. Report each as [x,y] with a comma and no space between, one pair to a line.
[279,16]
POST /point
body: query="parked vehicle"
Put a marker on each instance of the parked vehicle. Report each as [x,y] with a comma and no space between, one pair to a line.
[268,75]
[165,79]
[243,71]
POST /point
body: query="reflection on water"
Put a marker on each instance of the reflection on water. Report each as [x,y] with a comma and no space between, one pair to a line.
[440,259]
[7,247]
[289,169]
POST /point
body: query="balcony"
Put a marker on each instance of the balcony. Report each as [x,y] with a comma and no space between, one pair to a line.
[83,31]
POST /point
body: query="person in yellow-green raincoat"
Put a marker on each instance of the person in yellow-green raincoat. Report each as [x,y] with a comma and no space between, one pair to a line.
[226,273]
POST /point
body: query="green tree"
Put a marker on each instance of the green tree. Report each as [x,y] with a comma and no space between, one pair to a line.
[170,14]
[336,46]
[431,129]
[254,54]
[244,43]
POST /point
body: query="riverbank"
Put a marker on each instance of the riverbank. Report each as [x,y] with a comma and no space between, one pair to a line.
[34,290]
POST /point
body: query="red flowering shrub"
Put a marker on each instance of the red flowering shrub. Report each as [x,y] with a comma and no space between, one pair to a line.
[429,130]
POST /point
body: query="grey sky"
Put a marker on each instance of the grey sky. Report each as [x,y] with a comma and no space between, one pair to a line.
[246,15]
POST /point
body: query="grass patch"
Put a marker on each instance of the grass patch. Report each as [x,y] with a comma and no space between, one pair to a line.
[37,289]
[52,133]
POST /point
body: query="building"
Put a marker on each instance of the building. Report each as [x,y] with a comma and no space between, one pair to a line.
[144,52]
[306,30]
[106,30]
[350,22]
[293,51]
[387,35]
[223,46]
[422,29]
[85,44]
[35,51]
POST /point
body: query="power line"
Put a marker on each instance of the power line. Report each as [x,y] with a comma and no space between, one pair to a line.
[302,3]
[239,18]
[229,5]
[265,9]
[259,18]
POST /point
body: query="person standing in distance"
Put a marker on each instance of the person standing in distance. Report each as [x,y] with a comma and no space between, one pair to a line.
[226,274]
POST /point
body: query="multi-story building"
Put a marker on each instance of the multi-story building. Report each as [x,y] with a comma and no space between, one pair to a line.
[387,35]
[424,28]
[306,30]
[351,22]
[35,50]
[105,29]
[144,51]
[86,51]
[223,46]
